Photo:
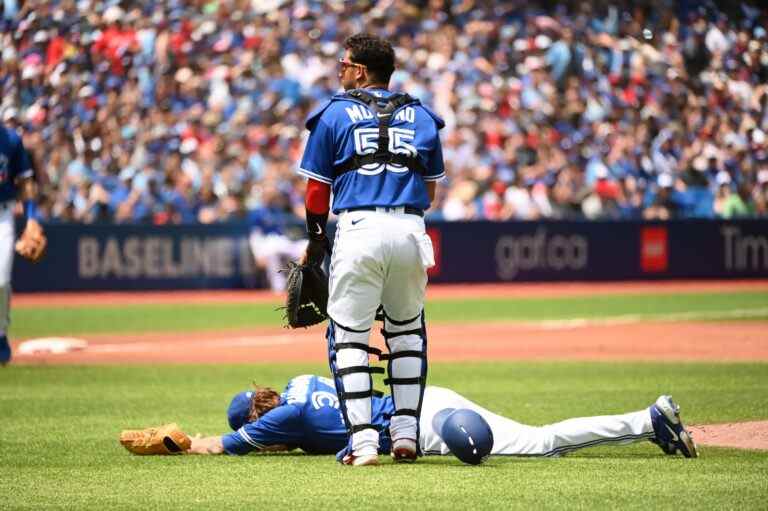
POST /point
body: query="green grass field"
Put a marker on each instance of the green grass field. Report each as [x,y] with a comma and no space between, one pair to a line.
[59,446]
[59,425]
[29,322]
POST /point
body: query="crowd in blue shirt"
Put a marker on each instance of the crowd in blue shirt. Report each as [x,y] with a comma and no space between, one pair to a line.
[181,112]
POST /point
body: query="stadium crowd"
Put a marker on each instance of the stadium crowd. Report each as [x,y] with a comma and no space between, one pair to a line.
[192,111]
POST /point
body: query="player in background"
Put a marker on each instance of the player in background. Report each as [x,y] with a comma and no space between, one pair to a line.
[16,180]
[270,244]
[380,154]
[306,416]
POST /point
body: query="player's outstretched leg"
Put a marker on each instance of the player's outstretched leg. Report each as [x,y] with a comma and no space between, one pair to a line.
[407,368]
[348,357]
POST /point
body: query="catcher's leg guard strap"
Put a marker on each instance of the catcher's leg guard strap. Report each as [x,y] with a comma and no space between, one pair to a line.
[359,346]
[407,368]
[348,356]
[359,369]
[393,321]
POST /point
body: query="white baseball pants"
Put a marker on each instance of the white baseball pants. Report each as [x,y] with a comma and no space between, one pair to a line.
[514,439]
[379,258]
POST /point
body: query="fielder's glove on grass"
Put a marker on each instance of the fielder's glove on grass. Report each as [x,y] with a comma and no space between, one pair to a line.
[165,439]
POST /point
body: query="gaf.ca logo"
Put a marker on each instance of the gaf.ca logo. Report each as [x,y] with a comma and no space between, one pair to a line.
[540,251]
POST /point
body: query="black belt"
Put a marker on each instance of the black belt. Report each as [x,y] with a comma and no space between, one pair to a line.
[408,210]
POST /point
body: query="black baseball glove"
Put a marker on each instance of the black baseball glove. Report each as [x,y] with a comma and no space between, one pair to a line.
[307,300]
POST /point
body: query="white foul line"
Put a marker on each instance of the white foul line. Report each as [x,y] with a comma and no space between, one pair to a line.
[224,342]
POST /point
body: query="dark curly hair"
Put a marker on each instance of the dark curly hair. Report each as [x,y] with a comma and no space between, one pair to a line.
[374,53]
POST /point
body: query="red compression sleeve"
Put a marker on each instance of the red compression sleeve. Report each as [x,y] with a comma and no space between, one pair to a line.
[318,197]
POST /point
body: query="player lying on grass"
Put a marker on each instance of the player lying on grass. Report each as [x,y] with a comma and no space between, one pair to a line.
[306,416]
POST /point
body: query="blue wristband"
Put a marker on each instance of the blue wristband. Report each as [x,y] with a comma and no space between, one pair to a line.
[30,209]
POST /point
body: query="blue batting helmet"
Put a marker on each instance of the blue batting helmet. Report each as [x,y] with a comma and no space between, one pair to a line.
[466,433]
[239,409]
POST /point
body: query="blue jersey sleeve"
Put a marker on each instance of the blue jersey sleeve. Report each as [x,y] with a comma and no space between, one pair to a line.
[280,426]
[317,162]
[19,164]
[435,166]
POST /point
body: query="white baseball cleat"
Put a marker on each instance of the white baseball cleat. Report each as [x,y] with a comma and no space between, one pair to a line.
[404,450]
[365,460]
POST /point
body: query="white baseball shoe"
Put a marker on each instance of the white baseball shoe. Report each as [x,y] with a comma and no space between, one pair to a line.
[366,460]
[404,450]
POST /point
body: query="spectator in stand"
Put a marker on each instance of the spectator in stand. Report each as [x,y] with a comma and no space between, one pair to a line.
[662,204]
[536,98]
[739,204]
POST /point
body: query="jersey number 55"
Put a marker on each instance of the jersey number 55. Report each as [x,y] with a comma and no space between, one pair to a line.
[367,142]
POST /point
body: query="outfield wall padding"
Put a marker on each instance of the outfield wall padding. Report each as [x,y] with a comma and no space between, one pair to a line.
[117,257]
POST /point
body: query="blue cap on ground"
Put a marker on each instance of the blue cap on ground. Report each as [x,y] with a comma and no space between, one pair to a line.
[466,433]
[239,409]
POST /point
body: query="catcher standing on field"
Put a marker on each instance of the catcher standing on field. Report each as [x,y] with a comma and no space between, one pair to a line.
[15,174]
[380,153]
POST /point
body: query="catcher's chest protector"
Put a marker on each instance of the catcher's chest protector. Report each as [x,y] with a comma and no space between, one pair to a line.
[384,109]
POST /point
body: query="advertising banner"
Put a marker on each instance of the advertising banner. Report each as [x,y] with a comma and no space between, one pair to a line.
[101,257]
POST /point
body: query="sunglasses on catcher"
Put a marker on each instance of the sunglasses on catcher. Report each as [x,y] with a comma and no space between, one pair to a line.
[344,64]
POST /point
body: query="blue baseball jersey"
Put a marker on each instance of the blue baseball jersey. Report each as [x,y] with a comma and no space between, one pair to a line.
[308,418]
[14,163]
[343,127]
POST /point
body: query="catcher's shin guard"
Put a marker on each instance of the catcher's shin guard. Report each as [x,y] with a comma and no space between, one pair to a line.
[407,369]
[348,351]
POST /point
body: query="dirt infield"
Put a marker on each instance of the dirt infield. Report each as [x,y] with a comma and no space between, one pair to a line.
[712,341]
[741,435]
[614,339]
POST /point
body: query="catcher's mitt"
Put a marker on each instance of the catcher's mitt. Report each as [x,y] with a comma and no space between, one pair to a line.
[165,439]
[32,243]
[307,300]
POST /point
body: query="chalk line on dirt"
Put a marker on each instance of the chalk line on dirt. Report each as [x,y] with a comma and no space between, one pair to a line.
[625,319]
[223,342]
